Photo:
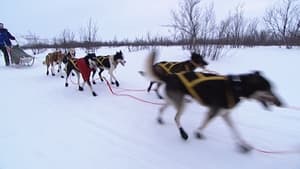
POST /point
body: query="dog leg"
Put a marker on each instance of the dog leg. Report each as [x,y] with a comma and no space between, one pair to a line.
[78,82]
[176,98]
[209,116]
[47,72]
[68,71]
[112,77]
[243,146]
[150,86]
[157,89]
[93,75]
[52,69]
[91,88]
[183,134]
[59,68]
[100,74]
[62,71]
[161,111]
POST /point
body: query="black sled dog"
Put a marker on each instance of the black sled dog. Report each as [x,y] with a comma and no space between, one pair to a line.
[83,66]
[219,94]
[164,67]
[110,63]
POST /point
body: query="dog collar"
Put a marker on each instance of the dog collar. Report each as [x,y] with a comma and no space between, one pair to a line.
[195,64]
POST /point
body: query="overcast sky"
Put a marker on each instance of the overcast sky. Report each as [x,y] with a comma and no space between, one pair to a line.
[121,19]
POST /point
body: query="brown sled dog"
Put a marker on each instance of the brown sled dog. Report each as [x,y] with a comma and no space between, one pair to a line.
[163,68]
[52,59]
[217,93]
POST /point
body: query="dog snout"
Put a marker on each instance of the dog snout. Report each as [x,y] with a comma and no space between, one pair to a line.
[271,97]
[277,101]
[123,62]
[266,97]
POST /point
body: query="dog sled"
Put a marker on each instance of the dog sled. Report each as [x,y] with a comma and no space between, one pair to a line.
[20,57]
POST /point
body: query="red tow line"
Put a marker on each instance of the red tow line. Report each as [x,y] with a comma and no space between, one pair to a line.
[295,151]
[127,95]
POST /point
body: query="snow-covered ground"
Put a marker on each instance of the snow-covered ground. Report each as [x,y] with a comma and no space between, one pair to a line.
[44,125]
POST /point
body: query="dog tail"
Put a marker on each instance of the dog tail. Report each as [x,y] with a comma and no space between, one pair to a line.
[150,71]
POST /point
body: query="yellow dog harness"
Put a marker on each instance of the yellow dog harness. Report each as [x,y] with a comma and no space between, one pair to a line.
[100,60]
[169,65]
[189,85]
[73,63]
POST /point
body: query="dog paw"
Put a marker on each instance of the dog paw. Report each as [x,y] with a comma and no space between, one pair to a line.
[149,89]
[80,88]
[198,135]
[62,76]
[117,84]
[160,97]
[183,134]
[244,148]
[53,74]
[160,121]
[94,94]
[47,73]
[66,84]
[94,82]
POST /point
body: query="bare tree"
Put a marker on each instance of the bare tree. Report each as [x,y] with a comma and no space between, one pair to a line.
[197,25]
[88,35]
[237,26]
[223,30]
[251,35]
[282,20]
[34,42]
[207,33]
[66,38]
[186,21]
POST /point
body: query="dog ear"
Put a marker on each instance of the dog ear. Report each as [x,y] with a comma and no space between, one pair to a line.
[194,53]
[257,73]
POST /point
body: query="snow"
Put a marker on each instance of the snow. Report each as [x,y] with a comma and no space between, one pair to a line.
[44,125]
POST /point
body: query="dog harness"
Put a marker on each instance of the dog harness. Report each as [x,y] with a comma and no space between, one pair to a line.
[100,60]
[190,86]
[169,65]
[82,67]
[73,61]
